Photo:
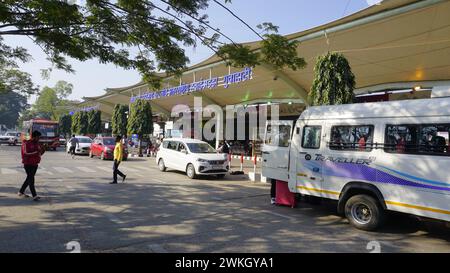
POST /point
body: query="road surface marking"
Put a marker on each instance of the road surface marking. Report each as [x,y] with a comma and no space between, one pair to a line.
[9,171]
[279,215]
[128,170]
[86,170]
[160,181]
[106,169]
[62,170]
[142,168]
[44,170]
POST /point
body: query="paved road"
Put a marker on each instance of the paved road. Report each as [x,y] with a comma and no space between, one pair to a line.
[166,212]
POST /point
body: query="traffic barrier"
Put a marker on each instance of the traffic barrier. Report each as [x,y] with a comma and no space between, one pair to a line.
[242,162]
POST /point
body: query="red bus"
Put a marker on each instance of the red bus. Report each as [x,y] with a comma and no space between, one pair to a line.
[47,128]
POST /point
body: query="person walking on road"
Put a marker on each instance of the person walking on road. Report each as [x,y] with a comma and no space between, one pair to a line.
[118,155]
[74,143]
[31,157]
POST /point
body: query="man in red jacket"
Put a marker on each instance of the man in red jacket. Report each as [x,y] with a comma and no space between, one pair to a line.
[31,157]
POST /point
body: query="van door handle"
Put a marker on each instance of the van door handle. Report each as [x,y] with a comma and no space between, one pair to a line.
[266,153]
[312,178]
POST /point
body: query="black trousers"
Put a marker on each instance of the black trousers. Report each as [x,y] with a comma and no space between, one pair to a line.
[273,188]
[72,150]
[29,181]
[116,171]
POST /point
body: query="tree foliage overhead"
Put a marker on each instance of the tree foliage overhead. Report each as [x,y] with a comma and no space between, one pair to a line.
[140,121]
[333,82]
[119,120]
[14,80]
[145,35]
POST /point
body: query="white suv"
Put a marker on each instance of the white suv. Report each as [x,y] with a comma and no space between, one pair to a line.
[10,138]
[192,156]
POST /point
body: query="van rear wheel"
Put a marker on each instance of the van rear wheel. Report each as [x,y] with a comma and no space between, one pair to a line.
[364,212]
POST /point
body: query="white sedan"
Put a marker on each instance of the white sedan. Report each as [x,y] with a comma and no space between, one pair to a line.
[192,156]
[84,146]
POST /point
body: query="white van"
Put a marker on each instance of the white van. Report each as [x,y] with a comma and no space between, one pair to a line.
[371,157]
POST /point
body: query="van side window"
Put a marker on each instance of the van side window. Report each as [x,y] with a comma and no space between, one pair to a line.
[352,138]
[278,135]
[165,144]
[311,137]
[426,139]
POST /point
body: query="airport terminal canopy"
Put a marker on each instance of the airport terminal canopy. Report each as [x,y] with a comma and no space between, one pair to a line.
[397,44]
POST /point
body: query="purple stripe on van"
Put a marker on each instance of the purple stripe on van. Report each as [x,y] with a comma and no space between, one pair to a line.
[366,173]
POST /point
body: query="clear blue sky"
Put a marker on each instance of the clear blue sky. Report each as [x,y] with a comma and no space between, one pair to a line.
[91,78]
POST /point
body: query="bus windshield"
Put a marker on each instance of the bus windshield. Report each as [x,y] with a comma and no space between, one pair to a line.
[46,130]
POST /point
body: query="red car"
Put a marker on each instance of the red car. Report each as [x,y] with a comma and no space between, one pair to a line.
[104,148]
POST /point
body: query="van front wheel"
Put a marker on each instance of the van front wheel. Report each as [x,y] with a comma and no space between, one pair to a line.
[364,212]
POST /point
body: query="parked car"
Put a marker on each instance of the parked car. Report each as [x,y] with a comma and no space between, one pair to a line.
[84,146]
[192,156]
[103,147]
[62,141]
[10,138]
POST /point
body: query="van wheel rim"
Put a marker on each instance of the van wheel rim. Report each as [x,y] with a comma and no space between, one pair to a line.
[361,213]
[161,165]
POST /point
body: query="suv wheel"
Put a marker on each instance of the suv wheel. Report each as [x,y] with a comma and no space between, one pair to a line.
[102,156]
[190,171]
[161,165]
[364,212]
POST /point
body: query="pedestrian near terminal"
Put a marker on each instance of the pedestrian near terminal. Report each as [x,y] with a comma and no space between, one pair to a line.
[118,155]
[31,157]
[74,143]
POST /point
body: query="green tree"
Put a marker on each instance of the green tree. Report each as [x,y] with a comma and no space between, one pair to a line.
[45,104]
[11,104]
[140,121]
[75,123]
[13,80]
[52,101]
[111,31]
[65,125]
[94,122]
[333,82]
[119,120]
[83,123]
